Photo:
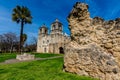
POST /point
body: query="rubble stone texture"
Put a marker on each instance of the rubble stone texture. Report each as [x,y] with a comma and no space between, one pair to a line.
[94,49]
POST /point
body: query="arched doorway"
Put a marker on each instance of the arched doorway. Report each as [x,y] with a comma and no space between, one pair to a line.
[61,50]
[45,50]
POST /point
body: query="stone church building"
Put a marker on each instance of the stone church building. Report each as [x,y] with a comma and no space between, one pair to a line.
[53,42]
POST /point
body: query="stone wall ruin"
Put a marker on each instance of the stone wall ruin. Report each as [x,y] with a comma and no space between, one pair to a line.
[94,49]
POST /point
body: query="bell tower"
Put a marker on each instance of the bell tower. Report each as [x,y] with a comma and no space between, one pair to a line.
[43,31]
[56,27]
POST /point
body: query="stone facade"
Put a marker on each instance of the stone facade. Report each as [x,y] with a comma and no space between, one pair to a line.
[94,49]
[54,42]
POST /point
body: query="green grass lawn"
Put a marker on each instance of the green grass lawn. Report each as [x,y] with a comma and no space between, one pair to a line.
[38,70]
[7,56]
[46,55]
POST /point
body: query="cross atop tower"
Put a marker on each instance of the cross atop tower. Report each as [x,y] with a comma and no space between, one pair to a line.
[56,20]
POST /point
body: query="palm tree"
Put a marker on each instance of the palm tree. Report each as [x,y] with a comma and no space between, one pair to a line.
[24,38]
[23,16]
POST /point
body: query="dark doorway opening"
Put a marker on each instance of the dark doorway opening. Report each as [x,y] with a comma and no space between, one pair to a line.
[45,50]
[61,50]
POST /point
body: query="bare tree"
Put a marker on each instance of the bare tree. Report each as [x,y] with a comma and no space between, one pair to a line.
[7,42]
[34,40]
[31,47]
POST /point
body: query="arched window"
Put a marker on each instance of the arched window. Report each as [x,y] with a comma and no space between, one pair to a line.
[60,27]
[47,41]
[45,31]
[53,27]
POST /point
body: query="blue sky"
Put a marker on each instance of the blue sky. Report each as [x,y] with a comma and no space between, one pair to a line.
[46,11]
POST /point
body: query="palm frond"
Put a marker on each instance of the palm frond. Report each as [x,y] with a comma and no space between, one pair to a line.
[22,13]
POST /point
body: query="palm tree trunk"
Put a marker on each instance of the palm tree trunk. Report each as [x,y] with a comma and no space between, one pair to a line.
[21,33]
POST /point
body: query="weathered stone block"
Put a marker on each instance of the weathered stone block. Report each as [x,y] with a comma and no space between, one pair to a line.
[108,45]
[25,56]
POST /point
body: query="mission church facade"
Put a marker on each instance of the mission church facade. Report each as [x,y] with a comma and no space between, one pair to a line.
[54,42]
